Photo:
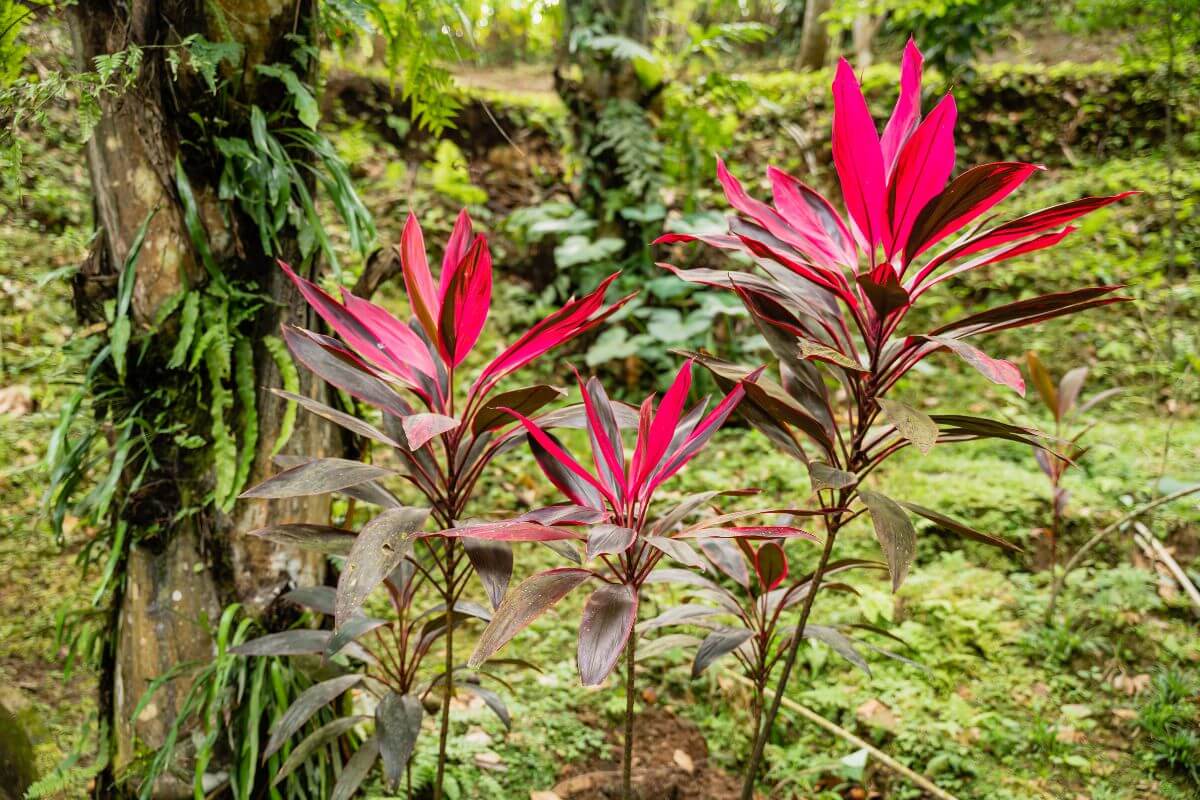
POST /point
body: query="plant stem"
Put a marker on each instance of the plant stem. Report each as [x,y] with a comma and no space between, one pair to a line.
[448,678]
[627,761]
[760,742]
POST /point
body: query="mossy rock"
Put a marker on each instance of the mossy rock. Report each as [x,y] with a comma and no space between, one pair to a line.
[17,766]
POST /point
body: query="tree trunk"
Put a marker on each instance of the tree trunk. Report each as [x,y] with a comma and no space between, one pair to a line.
[182,569]
[814,37]
[865,28]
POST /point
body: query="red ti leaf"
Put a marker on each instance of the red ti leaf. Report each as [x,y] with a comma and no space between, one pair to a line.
[573,319]
[608,618]
[608,451]
[924,166]
[662,426]
[456,250]
[969,195]
[815,220]
[858,158]
[996,370]
[394,336]
[465,304]
[507,531]
[561,463]
[907,112]
[771,565]
[418,281]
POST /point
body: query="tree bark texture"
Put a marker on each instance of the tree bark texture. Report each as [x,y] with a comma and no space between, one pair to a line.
[814,36]
[179,576]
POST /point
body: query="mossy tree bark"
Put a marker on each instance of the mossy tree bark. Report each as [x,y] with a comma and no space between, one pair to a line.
[180,569]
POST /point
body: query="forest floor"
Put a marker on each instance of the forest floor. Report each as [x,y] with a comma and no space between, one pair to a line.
[996,705]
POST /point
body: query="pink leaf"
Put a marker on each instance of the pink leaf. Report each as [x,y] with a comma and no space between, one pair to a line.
[815,220]
[564,458]
[418,281]
[420,428]
[573,319]
[605,435]
[456,250]
[466,303]
[907,112]
[704,431]
[857,157]
[996,370]
[662,427]
[352,330]
[924,166]
[1024,226]
[396,337]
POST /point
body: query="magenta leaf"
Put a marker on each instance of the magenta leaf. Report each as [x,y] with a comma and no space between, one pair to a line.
[561,468]
[925,164]
[608,618]
[418,282]
[651,449]
[814,219]
[573,319]
[969,195]
[420,428]
[465,304]
[907,111]
[394,336]
[532,598]
[857,157]
[608,451]
[342,369]
[456,250]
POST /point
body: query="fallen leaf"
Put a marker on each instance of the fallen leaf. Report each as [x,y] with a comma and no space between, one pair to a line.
[16,401]
[877,715]
[684,761]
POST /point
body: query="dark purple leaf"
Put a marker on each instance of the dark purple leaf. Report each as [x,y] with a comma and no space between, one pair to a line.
[679,615]
[397,726]
[665,644]
[356,769]
[303,707]
[493,563]
[300,641]
[318,738]
[823,476]
[608,618]
[318,476]
[727,558]
[316,598]
[954,526]
[883,291]
[347,421]
[527,400]
[384,542]
[353,629]
[523,605]
[492,701]
[608,539]
[838,642]
[894,532]
[678,550]
[320,538]
[913,424]
[719,643]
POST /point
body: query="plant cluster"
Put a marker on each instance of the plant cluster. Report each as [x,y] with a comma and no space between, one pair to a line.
[831,298]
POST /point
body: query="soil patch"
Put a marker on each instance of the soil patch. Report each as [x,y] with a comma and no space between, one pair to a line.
[670,762]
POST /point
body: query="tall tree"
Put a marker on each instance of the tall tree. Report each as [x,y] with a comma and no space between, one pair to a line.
[215,89]
[814,36]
